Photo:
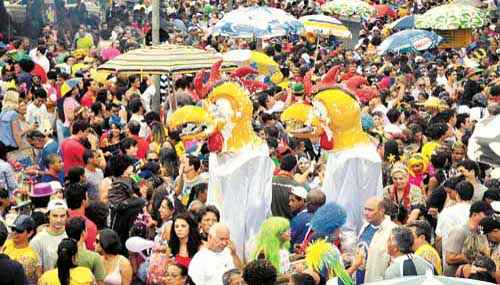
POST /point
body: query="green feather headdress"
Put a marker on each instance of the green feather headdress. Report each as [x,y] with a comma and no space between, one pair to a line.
[321,255]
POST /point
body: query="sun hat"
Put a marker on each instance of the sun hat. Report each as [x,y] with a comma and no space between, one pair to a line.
[41,190]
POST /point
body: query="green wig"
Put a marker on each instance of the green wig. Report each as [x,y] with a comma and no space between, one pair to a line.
[269,242]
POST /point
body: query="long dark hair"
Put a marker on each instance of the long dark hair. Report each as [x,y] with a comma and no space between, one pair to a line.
[65,252]
[194,238]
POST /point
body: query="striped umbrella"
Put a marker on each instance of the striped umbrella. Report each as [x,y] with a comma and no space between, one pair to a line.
[259,22]
[325,25]
[349,8]
[164,59]
[452,17]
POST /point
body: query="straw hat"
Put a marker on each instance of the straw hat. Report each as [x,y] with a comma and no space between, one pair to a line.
[10,100]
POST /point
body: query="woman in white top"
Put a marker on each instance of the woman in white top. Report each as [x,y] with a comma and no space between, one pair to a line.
[117,268]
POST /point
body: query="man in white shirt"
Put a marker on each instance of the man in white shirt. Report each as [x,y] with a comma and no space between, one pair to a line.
[36,111]
[393,128]
[456,215]
[209,264]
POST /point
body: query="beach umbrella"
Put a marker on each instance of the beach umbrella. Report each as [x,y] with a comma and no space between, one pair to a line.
[383,10]
[349,8]
[110,53]
[429,279]
[174,59]
[258,22]
[452,17]
[264,64]
[484,144]
[325,25]
[69,84]
[403,23]
[409,41]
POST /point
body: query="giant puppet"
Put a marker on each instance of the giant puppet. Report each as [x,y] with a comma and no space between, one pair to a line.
[353,168]
[240,169]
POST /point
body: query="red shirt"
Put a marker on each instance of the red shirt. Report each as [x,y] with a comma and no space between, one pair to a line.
[90,228]
[72,154]
[87,99]
[142,147]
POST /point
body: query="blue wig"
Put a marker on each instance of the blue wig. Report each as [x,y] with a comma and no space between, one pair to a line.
[367,122]
[328,218]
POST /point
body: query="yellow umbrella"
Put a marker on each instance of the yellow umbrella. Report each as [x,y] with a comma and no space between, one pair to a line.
[325,25]
[264,64]
[99,76]
[77,67]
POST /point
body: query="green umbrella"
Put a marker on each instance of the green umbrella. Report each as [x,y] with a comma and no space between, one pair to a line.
[452,17]
[349,8]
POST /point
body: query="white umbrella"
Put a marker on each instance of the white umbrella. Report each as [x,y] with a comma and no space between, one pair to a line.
[259,22]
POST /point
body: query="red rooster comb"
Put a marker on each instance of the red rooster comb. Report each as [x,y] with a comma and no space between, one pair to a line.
[201,88]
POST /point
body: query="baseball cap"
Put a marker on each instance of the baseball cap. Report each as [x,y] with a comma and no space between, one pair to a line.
[489,224]
[299,191]
[23,223]
[57,204]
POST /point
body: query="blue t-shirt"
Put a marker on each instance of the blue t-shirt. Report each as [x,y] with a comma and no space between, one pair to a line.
[51,148]
[49,178]
[7,135]
[298,227]
[363,244]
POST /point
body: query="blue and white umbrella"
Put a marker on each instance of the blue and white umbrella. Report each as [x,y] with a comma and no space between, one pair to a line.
[404,23]
[409,41]
[259,22]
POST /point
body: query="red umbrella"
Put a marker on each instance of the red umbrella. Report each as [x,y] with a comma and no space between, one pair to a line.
[40,72]
[384,10]
[110,53]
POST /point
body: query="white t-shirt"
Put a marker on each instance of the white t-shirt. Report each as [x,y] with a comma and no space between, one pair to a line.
[37,114]
[451,217]
[207,267]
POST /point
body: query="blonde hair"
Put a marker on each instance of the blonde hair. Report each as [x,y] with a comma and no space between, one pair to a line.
[10,101]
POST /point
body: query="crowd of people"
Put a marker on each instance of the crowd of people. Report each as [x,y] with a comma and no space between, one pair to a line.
[96,189]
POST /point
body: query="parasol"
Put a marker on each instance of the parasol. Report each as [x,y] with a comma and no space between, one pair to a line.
[429,279]
[110,53]
[383,10]
[325,25]
[409,41]
[264,64]
[404,23]
[452,17]
[349,8]
[259,22]
[484,144]
[164,59]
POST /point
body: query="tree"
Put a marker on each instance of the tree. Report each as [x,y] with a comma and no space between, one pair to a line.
[4,24]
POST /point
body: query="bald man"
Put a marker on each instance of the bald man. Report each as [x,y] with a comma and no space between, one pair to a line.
[315,199]
[209,263]
[372,242]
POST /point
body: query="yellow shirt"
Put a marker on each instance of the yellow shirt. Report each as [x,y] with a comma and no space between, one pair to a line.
[429,253]
[85,42]
[77,276]
[28,258]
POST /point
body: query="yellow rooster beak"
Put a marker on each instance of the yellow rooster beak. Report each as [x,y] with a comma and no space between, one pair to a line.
[300,121]
[194,121]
